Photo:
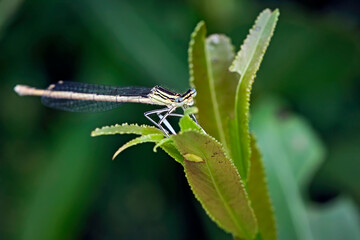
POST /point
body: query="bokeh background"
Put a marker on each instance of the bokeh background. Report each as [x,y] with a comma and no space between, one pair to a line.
[56,182]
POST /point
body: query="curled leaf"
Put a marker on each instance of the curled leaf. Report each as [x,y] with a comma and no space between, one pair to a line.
[142,139]
[160,143]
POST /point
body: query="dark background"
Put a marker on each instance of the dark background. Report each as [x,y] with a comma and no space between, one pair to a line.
[56,182]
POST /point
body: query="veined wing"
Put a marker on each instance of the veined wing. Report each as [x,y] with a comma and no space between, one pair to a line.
[73,105]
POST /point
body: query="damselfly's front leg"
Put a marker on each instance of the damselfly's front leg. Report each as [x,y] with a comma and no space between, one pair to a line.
[167,124]
[166,115]
[169,112]
[162,119]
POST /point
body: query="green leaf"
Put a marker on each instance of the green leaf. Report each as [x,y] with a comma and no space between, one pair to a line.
[246,64]
[258,193]
[160,143]
[142,139]
[209,61]
[186,123]
[126,129]
[285,138]
[172,151]
[338,219]
[216,183]
[167,145]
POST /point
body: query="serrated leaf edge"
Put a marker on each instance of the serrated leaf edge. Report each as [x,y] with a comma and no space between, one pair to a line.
[253,76]
[264,180]
[191,45]
[144,126]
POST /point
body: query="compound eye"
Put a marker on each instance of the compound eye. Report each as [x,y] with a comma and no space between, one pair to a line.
[179,99]
[193,91]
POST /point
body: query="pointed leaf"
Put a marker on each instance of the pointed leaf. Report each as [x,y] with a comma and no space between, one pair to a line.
[160,143]
[142,139]
[126,129]
[209,61]
[246,64]
[258,193]
[216,183]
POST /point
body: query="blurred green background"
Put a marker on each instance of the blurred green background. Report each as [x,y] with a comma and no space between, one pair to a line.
[56,182]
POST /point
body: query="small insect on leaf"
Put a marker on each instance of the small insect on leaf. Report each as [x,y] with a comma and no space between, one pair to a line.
[192,157]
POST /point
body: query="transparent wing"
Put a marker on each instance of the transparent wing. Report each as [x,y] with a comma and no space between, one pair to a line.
[72,105]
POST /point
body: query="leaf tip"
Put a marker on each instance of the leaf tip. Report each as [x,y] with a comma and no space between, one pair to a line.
[94,132]
[155,148]
[200,24]
[116,154]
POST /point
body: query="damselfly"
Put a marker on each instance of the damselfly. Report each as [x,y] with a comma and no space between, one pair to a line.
[85,97]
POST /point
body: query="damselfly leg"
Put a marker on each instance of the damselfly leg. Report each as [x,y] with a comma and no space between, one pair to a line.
[162,119]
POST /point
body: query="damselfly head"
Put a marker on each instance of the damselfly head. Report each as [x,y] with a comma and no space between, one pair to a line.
[189,97]
[193,92]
